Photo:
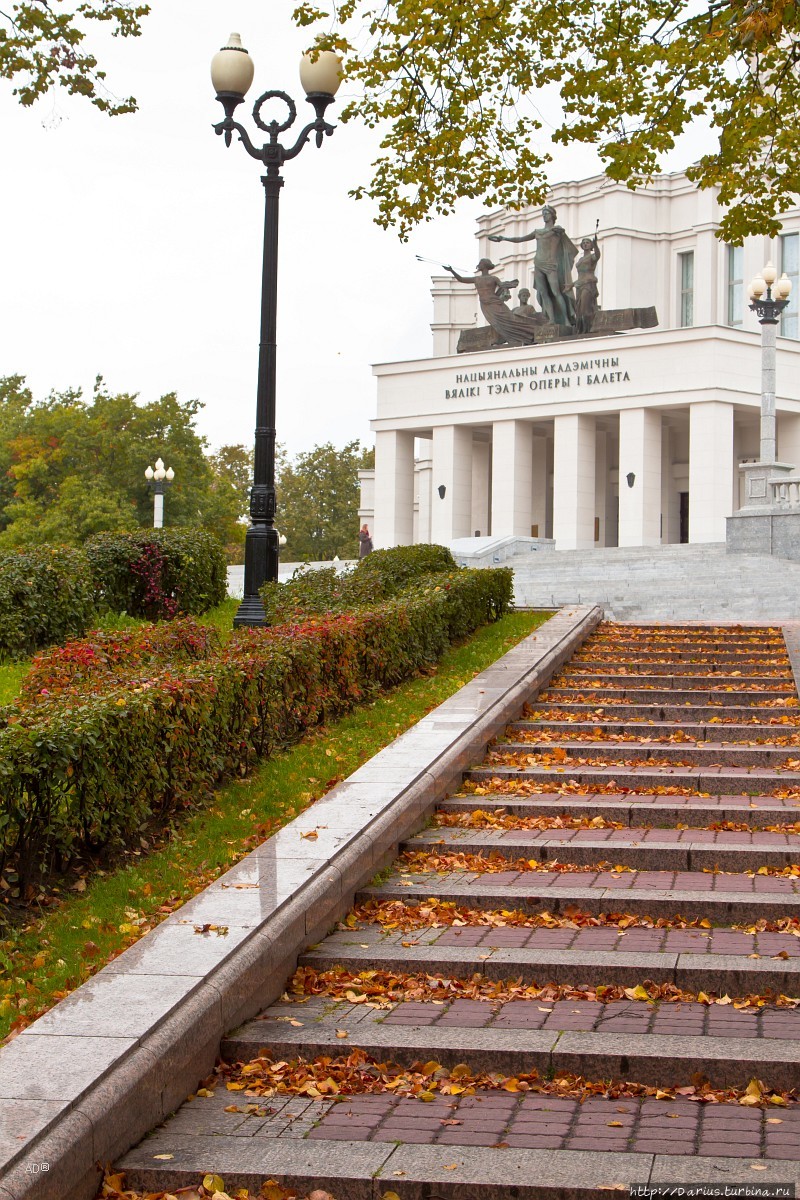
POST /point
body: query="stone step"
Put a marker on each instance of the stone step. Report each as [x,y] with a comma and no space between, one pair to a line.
[550,1147]
[564,926]
[720,899]
[634,808]
[664,1045]
[702,754]
[726,780]
[699,681]
[644,849]
[653,730]
[686,698]
[684,655]
[670,714]
[733,666]
[538,957]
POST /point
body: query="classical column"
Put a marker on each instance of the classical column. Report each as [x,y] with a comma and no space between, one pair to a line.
[539,488]
[512,478]
[670,504]
[600,486]
[640,477]
[452,472]
[480,519]
[394,488]
[422,475]
[711,470]
[573,482]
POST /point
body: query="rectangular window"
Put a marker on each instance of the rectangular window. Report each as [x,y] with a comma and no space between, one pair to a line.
[686,277]
[735,285]
[790,263]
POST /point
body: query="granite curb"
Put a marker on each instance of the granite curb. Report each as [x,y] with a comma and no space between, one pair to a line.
[164,1005]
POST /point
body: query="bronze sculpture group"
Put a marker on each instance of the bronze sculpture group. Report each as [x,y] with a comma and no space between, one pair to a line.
[569,307]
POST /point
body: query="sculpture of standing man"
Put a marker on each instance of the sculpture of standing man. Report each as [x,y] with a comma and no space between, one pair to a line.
[552,267]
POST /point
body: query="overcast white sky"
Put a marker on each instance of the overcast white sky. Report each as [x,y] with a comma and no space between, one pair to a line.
[131,246]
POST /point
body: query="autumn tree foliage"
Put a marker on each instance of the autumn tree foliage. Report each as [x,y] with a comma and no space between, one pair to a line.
[47,43]
[455,90]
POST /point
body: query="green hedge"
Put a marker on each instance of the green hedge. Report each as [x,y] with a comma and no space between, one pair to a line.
[157,573]
[380,575]
[52,593]
[87,759]
[403,564]
[45,596]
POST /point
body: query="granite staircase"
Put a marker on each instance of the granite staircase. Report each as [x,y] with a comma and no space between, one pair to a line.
[661,583]
[583,974]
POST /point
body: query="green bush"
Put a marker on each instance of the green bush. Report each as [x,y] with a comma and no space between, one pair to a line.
[45,597]
[380,575]
[314,592]
[400,565]
[95,753]
[157,573]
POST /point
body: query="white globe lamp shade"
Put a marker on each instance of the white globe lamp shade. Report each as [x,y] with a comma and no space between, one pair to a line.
[159,473]
[757,288]
[783,288]
[281,539]
[769,274]
[170,474]
[321,74]
[148,473]
[232,68]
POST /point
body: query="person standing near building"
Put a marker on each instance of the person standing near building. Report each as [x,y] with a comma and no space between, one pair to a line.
[364,541]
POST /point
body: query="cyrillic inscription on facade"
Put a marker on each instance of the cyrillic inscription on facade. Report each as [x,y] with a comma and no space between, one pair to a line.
[505,381]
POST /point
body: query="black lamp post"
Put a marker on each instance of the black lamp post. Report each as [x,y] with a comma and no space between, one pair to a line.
[231,74]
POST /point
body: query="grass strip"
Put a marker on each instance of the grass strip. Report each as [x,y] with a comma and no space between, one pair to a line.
[47,958]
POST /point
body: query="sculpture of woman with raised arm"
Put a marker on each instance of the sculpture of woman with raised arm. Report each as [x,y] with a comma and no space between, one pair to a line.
[586,291]
[515,330]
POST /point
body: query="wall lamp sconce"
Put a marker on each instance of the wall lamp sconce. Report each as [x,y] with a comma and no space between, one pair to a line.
[441,490]
[631,478]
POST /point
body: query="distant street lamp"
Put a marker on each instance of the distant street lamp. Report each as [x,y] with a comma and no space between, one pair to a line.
[232,74]
[768,308]
[159,480]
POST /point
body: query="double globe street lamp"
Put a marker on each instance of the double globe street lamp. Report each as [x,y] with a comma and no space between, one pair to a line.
[768,296]
[159,480]
[232,74]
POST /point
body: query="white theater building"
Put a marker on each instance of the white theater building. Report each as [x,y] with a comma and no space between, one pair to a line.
[630,439]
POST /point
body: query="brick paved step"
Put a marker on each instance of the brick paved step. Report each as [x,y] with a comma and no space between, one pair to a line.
[683,656]
[721,899]
[358,1150]
[644,849]
[698,779]
[704,754]
[582,958]
[716,733]
[685,697]
[672,713]
[597,1041]
[635,808]
[672,681]
[690,631]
